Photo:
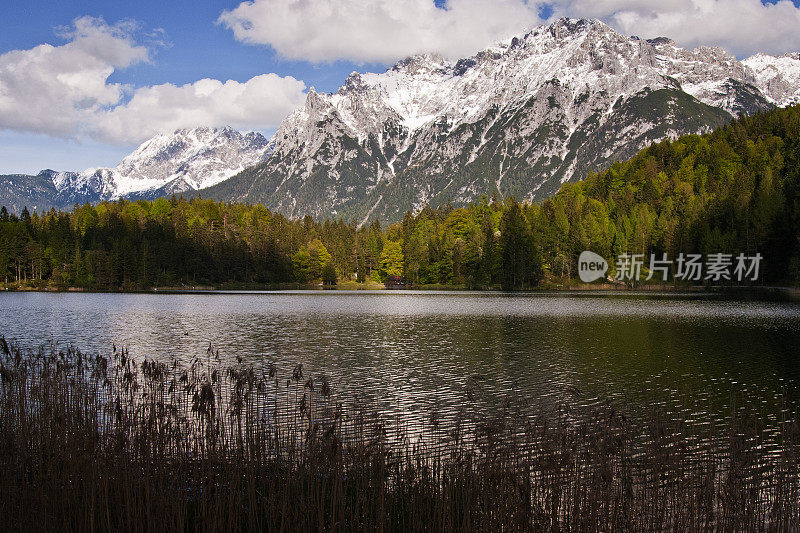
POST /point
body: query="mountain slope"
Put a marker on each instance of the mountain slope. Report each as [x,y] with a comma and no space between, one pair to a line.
[778,77]
[519,118]
[20,190]
[166,164]
[187,159]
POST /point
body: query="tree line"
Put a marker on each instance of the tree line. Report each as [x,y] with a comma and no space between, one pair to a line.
[736,189]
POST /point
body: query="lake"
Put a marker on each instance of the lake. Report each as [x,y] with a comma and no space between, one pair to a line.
[412,352]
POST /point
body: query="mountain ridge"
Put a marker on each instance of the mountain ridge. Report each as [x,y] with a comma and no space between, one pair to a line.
[168,163]
[519,118]
[516,118]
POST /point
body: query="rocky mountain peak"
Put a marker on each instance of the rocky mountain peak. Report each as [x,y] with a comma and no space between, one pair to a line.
[566,27]
[778,77]
[518,118]
[186,159]
[660,41]
[421,63]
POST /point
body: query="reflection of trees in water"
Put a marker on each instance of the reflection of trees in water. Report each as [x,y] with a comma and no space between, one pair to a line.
[411,353]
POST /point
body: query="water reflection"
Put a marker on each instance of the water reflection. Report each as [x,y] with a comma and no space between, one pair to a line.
[412,352]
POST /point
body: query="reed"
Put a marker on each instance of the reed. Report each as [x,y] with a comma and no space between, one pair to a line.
[112,443]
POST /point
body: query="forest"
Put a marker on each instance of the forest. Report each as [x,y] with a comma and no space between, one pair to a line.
[734,190]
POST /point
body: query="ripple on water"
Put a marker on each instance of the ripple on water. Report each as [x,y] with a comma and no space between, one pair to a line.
[701,356]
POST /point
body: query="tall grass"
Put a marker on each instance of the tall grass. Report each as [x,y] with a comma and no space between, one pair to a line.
[96,443]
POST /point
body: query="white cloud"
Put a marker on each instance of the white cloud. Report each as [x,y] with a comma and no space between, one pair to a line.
[64,91]
[378,30]
[259,103]
[387,30]
[743,27]
[54,89]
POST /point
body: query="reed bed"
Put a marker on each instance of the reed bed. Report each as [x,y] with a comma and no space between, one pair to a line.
[112,443]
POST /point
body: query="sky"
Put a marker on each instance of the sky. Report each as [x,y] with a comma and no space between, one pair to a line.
[82,83]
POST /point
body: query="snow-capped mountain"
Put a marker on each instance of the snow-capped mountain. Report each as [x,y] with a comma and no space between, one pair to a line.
[188,159]
[712,76]
[185,160]
[518,118]
[778,77]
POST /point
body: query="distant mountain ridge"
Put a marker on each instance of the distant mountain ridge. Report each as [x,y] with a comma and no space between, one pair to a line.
[518,118]
[185,160]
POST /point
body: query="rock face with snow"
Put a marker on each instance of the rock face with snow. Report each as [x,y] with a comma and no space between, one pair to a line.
[519,118]
[186,160]
[778,77]
[712,76]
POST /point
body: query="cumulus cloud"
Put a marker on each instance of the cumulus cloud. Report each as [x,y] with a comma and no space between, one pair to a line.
[259,103]
[387,30]
[379,31]
[53,89]
[64,91]
[743,27]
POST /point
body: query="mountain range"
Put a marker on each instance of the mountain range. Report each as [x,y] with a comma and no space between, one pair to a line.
[518,118]
[185,160]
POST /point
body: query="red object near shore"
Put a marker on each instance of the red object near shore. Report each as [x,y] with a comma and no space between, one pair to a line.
[396,282]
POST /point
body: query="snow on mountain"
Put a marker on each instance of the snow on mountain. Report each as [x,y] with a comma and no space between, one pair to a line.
[185,160]
[778,77]
[712,75]
[80,187]
[174,163]
[197,158]
[424,89]
[520,118]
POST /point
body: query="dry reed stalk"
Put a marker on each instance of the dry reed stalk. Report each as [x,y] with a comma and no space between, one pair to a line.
[94,443]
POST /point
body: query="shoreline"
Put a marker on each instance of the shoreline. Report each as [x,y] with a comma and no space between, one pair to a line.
[790,293]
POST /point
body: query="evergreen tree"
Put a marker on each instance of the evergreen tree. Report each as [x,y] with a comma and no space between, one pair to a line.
[391,260]
[519,253]
[329,276]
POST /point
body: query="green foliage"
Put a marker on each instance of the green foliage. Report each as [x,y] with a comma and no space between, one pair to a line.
[318,258]
[391,260]
[734,190]
[521,260]
[301,266]
[329,276]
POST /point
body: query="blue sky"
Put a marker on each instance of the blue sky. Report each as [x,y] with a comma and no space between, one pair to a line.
[196,46]
[48,123]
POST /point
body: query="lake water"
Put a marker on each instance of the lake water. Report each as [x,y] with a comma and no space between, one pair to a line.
[412,352]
